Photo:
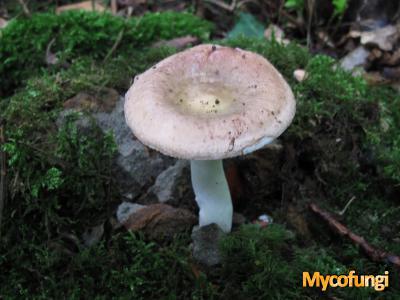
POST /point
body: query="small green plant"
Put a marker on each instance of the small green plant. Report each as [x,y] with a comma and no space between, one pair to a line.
[297,5]
[340,6]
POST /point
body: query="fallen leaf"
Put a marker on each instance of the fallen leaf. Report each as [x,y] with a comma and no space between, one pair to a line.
[274,31]
[85,5]
[375,78]
[384,38]
[103,100]
[178,43]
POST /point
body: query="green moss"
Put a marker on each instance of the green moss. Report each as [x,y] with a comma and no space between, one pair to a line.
[269,264]
[61,178]
[23,42]
[254,264]
[127,267]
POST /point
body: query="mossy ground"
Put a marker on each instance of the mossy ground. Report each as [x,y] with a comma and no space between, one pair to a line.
[343,143]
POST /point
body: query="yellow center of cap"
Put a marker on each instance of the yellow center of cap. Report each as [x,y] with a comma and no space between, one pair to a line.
[206,99]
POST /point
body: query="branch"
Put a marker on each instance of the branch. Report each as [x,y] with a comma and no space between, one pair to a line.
[376,255]
[115,46]
[25,8]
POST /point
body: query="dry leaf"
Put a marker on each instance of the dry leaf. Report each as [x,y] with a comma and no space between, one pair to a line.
[104,100]
[160,221]
[277,32]
[85,5]
[179,43]
[384,38]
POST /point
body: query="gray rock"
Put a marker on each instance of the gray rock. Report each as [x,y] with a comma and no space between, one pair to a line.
[126,209]
[135,166]
[140,165]
[93,235]
[357,57]
[206,241]
[166,183]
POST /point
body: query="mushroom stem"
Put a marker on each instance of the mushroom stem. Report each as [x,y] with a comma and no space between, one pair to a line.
[212,193]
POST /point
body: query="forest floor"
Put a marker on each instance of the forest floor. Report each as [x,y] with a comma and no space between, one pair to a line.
[342,153]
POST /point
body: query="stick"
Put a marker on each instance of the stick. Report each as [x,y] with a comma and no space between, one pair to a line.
[25,8]
[376,255]
[341,213]
[115,46]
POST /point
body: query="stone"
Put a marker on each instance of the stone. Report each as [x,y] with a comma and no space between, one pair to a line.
[166,182]
[300,75]
[384,38]
[356,58]
[161,221]
[93,235]
[135,166]
[205,247]
[125,209]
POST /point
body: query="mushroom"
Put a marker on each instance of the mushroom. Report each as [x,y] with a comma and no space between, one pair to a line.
[205,104]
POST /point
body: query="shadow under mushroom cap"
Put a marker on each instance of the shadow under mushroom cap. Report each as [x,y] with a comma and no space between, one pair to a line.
[209,102]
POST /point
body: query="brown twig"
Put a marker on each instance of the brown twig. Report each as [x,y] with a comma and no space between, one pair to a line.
[376,255]
[115,46]
[3,188]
